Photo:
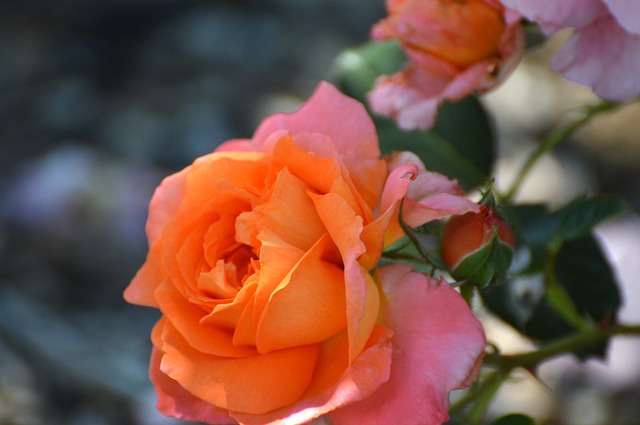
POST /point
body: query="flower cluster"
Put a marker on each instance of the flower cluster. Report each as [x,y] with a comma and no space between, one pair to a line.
[301,273]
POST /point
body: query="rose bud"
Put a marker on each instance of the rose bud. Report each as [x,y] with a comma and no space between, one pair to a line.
[477,246]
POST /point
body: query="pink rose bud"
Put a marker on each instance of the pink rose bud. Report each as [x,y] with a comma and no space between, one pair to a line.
[455,48]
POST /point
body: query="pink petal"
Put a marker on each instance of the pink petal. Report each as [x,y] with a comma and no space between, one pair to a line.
[554,15]
[393,97]
[428,196]
[397,185]
[435,208]
[432,196]
[627,13]
[333,114]
[238,145]
[605,57]
[437,344]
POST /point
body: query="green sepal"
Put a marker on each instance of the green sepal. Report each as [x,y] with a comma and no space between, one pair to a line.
[485,265]
[514,419]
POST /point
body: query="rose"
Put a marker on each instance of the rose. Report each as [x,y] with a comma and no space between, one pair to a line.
[262,258]
[604,50]
[454,48]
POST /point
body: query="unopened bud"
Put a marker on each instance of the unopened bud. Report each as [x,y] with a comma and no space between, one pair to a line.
[477,246]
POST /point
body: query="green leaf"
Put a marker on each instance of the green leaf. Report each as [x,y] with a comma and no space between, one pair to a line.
[579,217]
[355,70]
[465,124]
[437,153]
[587,289]
[514,419]
[584,272]
[516,300]
[575,220]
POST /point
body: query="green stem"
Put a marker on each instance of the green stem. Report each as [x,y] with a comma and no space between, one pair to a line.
[483,393]
[467,291]
[485,397]
[556,137]
[571,343]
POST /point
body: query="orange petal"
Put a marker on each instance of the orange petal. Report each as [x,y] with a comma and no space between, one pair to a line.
[141,289]
[186,317]
[308,306]
[290,213]
[318,172]
[277,258]
[220,283]
[335,383]
[373,237]
[246,171]
[345,228]
[226,315]
[253,385]
[245,331]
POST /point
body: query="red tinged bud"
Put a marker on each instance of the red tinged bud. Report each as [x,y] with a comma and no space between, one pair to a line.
[477,246]
[465,234]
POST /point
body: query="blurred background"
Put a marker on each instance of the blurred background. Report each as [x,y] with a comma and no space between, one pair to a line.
[99,100]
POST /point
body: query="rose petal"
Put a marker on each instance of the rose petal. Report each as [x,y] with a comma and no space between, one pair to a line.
[335,383]
[627,13]
[554,15]
[186,318]
[290,213]
[141,288]
[307,307]
[243,384]
[429,196]
[345,227]
[344,120]
[323,174]
[175,401]
[437,341]
[346,123]
[601,56]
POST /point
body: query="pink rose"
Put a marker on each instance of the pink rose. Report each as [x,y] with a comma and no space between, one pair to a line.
[263,261]
[455,48]
[604,50]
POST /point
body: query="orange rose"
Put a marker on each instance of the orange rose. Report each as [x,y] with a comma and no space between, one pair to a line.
[455,48]
[261,258]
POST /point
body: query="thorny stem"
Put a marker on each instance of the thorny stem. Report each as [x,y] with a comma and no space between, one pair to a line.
[571,343]
[484,392]
[554,138]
